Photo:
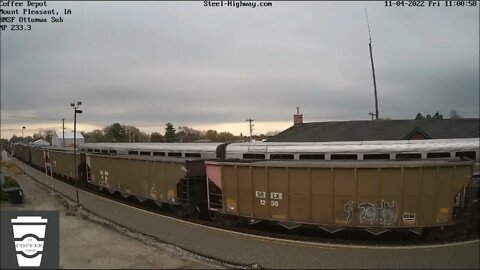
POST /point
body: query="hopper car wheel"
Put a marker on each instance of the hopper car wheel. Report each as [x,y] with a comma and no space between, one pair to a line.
[140,199]
[437,234]
[213,215]
[194,211]
[231,221]
[474,229]
[447,235]
[228,221]
[430,234]
[90,186]
[178,210]
[460,230]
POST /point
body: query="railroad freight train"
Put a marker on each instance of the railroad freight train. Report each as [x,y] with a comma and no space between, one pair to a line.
[377,186]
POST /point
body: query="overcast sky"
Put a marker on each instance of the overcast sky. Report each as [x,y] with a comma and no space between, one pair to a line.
[145,64]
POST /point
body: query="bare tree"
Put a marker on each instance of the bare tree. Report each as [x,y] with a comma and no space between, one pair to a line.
[454,115]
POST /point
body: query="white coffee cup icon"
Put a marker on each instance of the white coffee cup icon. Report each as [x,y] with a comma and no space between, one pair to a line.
[29,234]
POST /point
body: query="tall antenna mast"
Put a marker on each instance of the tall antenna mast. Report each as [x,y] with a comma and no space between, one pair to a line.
[63,131]
[373,67]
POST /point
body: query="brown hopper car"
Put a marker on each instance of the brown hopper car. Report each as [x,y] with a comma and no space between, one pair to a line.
[161,179]
[335,195]
[63,164]
[22,152]
[38,157]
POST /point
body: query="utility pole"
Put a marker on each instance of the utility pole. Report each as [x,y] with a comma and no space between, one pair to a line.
[373,67]
[63,131]
[251,126]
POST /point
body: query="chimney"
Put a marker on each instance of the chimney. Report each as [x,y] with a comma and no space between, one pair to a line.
[298,118]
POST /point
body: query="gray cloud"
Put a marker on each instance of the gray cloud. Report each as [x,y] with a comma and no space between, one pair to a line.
[152,62]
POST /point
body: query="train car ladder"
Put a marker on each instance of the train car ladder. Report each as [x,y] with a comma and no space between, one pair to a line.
[215,196]
[184,194]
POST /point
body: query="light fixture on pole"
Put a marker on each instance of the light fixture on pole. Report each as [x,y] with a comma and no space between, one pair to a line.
[75,111]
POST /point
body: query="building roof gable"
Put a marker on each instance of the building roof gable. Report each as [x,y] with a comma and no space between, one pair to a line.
[41,142]
[417,130]
[68,134]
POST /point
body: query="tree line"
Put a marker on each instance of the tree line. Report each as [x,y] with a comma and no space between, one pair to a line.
[117,132]
[121,133]
[42,134]
[437,115]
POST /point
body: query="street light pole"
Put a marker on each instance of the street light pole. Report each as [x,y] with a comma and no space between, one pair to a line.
[75,111]
[23,128]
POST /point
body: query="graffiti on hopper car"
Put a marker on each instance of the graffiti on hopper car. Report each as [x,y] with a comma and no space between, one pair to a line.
[369,213]
[386,214]
[348,208]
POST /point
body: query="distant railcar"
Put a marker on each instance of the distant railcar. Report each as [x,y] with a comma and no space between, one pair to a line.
[63,164]
[16,150]
[38,157]
[22,152]
[7,146]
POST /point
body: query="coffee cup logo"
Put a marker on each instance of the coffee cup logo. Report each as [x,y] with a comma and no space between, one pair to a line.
[29,234]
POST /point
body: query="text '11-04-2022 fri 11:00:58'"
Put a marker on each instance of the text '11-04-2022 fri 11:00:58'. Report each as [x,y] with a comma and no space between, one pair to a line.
[430,3]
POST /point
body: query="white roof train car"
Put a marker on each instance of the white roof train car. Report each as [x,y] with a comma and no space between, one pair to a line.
[358,150]
[189,150]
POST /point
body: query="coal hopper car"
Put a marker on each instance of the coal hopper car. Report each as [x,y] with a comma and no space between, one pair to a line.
[168,174]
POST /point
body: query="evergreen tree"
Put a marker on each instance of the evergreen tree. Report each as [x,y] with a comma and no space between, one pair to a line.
[115,133]
[419,116]
[169,133]
[438,116]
